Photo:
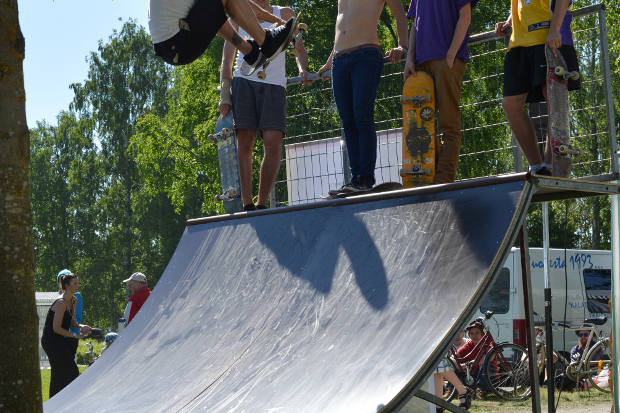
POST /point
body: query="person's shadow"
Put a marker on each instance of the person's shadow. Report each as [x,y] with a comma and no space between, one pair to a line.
[308,244]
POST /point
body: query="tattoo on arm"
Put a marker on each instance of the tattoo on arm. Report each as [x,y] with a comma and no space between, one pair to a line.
[236,40]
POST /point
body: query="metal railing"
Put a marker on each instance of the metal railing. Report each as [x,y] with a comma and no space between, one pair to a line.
[314,160]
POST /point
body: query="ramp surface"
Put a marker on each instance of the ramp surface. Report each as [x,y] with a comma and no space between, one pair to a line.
[344,306]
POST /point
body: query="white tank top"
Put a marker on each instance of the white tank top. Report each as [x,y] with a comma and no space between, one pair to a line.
[276,71]
[164,17]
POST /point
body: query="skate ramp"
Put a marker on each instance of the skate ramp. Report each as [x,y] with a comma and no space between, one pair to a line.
[340,306]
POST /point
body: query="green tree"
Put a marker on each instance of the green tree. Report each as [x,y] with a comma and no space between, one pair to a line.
[125,81]
[20,382]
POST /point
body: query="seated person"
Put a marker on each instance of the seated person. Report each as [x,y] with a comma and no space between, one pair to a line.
[576,353]
[470,351]
[444,372]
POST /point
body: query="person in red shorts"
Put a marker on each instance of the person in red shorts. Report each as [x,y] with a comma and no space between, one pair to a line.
[139,290]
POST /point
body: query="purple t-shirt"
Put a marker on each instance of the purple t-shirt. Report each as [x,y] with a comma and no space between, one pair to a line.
[565,30]
[435,21]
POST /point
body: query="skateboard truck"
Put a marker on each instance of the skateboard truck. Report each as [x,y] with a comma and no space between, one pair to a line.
[563,73]
[221,135]
[227,195]
[416,100]
[416,170]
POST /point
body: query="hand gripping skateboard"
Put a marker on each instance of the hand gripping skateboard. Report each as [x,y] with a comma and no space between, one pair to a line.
[226,141]
[419,139]
[559,123]
[384,187]
[293,41]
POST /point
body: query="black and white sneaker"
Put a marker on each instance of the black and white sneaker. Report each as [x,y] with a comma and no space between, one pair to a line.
[253,60]
[277,38]
[344,189]
[541,170]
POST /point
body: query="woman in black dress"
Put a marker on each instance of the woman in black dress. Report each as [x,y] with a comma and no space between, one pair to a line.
[61,317]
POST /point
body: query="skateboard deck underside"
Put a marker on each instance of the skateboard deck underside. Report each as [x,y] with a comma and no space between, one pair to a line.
[229,165]
[559,122]
[419,138]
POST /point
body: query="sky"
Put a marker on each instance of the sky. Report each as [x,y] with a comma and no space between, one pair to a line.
[59,35]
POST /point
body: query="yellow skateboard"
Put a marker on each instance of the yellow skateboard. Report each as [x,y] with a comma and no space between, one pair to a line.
[419,139]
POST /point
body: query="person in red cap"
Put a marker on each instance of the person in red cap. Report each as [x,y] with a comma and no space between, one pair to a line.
[139,290]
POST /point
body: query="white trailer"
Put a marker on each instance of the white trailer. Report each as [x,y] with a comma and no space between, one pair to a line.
[580,287]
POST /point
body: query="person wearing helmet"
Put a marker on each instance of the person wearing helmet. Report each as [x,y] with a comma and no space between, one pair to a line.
[109,339]
[470,352]
[79,305]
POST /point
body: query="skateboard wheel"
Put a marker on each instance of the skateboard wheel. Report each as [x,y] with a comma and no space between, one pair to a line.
[293,53]
[574,75]
[426,113]
[559,71]
[261,75]
[302,27]
[563,150]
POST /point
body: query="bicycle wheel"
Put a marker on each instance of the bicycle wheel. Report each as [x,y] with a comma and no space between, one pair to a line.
[507,370]
[598,365]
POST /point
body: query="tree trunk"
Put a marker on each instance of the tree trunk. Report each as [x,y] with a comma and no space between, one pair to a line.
[20,380]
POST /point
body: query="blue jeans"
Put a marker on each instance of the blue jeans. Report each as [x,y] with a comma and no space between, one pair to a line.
[355,79]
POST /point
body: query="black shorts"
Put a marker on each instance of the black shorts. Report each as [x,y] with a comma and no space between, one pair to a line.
[196,32]
[525,71]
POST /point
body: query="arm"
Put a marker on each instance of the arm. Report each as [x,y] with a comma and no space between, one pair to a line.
[460,32]
[501,27]
[302,56]
[554,38]
[127,312]
[264,15]
[396,54]
[228,55]
[410,64]
[327,66]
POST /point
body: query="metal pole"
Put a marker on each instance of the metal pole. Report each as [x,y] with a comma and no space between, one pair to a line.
[548,313]
[609,101]
[529,319]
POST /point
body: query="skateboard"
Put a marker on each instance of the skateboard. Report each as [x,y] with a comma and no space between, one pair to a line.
[226,141]
[384,187]
[559,123]
[293,41]
[419,138]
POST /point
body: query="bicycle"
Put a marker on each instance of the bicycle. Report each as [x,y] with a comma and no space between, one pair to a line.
[591,364]
[505,366]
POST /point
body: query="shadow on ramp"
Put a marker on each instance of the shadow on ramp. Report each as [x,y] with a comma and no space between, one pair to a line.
[340,306]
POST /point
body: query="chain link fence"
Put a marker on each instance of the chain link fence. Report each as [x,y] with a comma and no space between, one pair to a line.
[314,150]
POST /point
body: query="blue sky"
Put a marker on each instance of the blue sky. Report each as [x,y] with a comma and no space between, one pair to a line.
[59,36]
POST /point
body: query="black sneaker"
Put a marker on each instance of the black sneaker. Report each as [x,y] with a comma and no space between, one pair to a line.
[363,183]
[543,170]
[259,206]
[277,39]
[249,207]
[253,60]
[344,189]
[465,400]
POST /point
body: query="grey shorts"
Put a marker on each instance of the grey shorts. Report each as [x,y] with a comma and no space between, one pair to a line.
[258,106]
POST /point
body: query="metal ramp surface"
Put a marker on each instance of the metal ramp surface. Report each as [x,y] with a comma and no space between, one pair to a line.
[338,306]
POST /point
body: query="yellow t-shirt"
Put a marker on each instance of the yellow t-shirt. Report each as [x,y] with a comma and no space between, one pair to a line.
[531,20]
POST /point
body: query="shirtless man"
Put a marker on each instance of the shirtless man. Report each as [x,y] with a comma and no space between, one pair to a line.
[357,64]
[181,30]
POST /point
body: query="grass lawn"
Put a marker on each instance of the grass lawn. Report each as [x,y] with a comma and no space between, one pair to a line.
[578,400]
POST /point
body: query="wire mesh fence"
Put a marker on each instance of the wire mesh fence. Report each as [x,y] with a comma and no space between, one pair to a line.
[314,159]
